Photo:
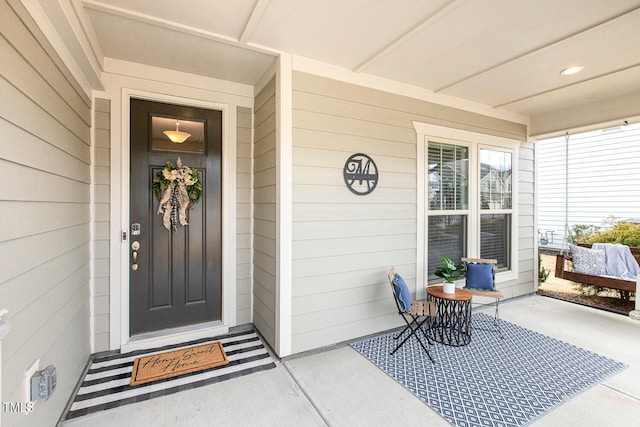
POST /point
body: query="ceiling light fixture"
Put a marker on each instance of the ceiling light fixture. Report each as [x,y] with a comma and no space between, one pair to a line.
[177,136]
[572,70]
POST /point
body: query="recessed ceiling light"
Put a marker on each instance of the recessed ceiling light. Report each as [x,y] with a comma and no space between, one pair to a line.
[572,70]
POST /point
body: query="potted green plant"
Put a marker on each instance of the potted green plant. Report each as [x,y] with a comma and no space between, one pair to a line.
[449,272]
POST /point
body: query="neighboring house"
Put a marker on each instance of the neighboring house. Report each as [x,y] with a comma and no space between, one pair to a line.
[293,250]
[495,186]
[598,184]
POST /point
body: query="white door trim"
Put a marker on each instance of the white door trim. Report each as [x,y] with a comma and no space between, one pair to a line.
[119,300]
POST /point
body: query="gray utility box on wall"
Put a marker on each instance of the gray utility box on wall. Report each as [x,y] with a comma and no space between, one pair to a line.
[43,383]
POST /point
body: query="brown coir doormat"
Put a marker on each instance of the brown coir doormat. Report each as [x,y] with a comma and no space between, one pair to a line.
[177,362]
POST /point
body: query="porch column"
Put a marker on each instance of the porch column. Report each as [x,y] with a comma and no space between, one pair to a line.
[284,202]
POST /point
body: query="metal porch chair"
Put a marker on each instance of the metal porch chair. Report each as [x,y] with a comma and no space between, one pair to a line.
[414,313]
[479,285]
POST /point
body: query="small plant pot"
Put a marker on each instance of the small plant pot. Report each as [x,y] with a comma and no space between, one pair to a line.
[449,288]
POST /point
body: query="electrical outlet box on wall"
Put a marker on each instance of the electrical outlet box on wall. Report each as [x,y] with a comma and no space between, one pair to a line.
[35,367]
[43,383]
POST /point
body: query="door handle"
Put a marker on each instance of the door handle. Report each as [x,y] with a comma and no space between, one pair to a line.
[135,246]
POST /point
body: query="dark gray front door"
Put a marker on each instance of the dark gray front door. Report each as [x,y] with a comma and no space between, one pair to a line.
[176,279]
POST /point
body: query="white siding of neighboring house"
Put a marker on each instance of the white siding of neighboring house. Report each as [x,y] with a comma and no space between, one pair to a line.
[603,179]
[343,244]
[264,213]
[45,158]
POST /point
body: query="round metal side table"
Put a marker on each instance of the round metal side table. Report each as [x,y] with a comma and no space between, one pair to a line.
[452,324]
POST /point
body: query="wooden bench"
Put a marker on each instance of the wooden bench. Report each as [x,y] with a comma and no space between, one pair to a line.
[601,281]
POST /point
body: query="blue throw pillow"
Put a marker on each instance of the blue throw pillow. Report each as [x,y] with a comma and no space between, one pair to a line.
[401,290]
[480,276]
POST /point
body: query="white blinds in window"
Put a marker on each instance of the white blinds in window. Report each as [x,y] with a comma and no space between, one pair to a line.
[448,176]
[448,203]
[447,238]
[495,238]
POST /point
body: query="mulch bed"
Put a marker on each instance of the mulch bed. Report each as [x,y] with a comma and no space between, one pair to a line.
[614,305]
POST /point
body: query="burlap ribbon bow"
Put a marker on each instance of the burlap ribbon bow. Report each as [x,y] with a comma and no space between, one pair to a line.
[173,206]
[175,199]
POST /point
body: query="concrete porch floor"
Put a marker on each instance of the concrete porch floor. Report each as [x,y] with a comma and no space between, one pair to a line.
[339,387]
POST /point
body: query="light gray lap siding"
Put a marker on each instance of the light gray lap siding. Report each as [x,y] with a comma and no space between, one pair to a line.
[101,224]
[243,216]
[264,213]
[45,239]
[344,244]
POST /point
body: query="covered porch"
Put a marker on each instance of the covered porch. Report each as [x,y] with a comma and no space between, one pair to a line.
[338,386]
[299,255]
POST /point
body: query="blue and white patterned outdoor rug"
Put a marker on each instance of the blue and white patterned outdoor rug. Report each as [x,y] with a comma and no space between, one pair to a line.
[492,381]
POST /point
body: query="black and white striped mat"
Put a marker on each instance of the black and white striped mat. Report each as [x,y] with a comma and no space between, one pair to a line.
[106,384]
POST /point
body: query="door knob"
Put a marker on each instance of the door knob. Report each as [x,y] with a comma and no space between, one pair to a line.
[135,246]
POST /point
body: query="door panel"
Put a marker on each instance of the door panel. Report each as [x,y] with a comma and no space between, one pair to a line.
[178,279]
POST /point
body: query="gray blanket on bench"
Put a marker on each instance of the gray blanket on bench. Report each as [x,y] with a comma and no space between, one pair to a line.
[619,261]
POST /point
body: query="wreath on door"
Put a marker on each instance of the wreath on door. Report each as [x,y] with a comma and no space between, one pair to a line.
[177,188]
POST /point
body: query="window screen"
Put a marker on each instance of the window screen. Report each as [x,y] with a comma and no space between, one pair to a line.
[495,179]
[495,206]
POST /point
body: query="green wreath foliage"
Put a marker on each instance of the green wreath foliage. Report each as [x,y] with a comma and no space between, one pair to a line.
[171,174]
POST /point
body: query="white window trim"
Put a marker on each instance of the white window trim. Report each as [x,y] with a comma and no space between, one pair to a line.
[475,141]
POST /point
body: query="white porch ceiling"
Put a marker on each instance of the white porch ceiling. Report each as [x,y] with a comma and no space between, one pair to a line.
[505,54]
